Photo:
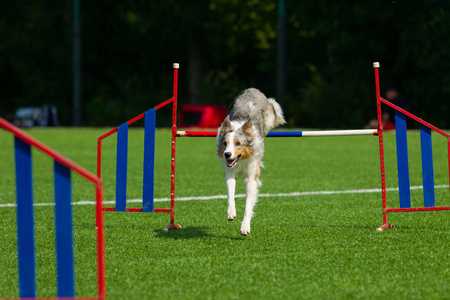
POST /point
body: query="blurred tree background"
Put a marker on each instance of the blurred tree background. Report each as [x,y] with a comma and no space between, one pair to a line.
[224,46]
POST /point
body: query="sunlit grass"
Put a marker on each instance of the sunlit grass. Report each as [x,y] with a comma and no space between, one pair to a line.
[311,246]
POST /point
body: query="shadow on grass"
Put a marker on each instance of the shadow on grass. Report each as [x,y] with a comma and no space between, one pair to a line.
[190,233]
[184,233]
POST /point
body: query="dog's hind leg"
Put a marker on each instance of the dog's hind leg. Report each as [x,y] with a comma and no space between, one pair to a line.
[230,179]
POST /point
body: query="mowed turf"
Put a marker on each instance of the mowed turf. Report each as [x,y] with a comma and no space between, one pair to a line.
[301,247]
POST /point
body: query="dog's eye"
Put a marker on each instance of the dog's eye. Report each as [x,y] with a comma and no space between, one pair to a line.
[238,143]
[225,143]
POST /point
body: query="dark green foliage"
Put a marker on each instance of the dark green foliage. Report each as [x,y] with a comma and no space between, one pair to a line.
[224,46]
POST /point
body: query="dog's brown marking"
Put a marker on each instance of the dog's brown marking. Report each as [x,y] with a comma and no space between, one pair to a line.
[237,143]
[244,151]
[222,148]
[258,170]
[220,153]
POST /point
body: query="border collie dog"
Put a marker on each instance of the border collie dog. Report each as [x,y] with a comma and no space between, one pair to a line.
[240,146]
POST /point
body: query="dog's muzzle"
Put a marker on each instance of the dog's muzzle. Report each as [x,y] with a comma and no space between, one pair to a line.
[231,162]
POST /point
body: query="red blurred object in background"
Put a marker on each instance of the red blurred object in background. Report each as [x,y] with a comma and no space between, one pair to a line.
[201,115]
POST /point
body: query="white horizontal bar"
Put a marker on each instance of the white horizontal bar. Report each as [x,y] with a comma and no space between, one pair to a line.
[339,132]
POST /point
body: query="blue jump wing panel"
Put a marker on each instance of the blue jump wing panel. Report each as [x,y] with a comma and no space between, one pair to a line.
[25,219]
[402,160]
[149,161]
[121,167]
[64,233]
[427,166]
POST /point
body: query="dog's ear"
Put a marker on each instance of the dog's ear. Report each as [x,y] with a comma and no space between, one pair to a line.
[226,125]
[247,128]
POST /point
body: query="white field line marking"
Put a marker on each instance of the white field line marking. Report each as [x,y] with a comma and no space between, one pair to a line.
[293,194]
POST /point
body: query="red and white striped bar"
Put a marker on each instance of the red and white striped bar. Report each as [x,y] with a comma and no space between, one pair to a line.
[289,133]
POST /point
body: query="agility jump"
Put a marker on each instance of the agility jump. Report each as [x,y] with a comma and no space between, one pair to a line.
[65,266]
[149,159]
[402,158]
[402,155]
[149,154]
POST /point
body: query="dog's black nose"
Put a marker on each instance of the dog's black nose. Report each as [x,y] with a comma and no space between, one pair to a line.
[227,154]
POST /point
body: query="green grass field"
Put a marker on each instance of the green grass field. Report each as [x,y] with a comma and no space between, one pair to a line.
[301,247]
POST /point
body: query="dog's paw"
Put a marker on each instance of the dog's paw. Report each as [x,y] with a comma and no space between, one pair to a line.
[245,228]
[231,215]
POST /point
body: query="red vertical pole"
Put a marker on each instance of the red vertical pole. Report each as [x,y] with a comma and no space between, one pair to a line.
[100,241]
[99,158]
[385,225]
[174,139]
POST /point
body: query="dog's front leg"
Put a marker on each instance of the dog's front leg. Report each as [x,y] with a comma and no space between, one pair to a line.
[230,179]
[251,197]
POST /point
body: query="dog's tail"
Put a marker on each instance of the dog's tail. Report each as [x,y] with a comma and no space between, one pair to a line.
[279,117]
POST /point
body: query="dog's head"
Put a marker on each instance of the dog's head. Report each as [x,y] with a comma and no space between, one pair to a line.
[234,144]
